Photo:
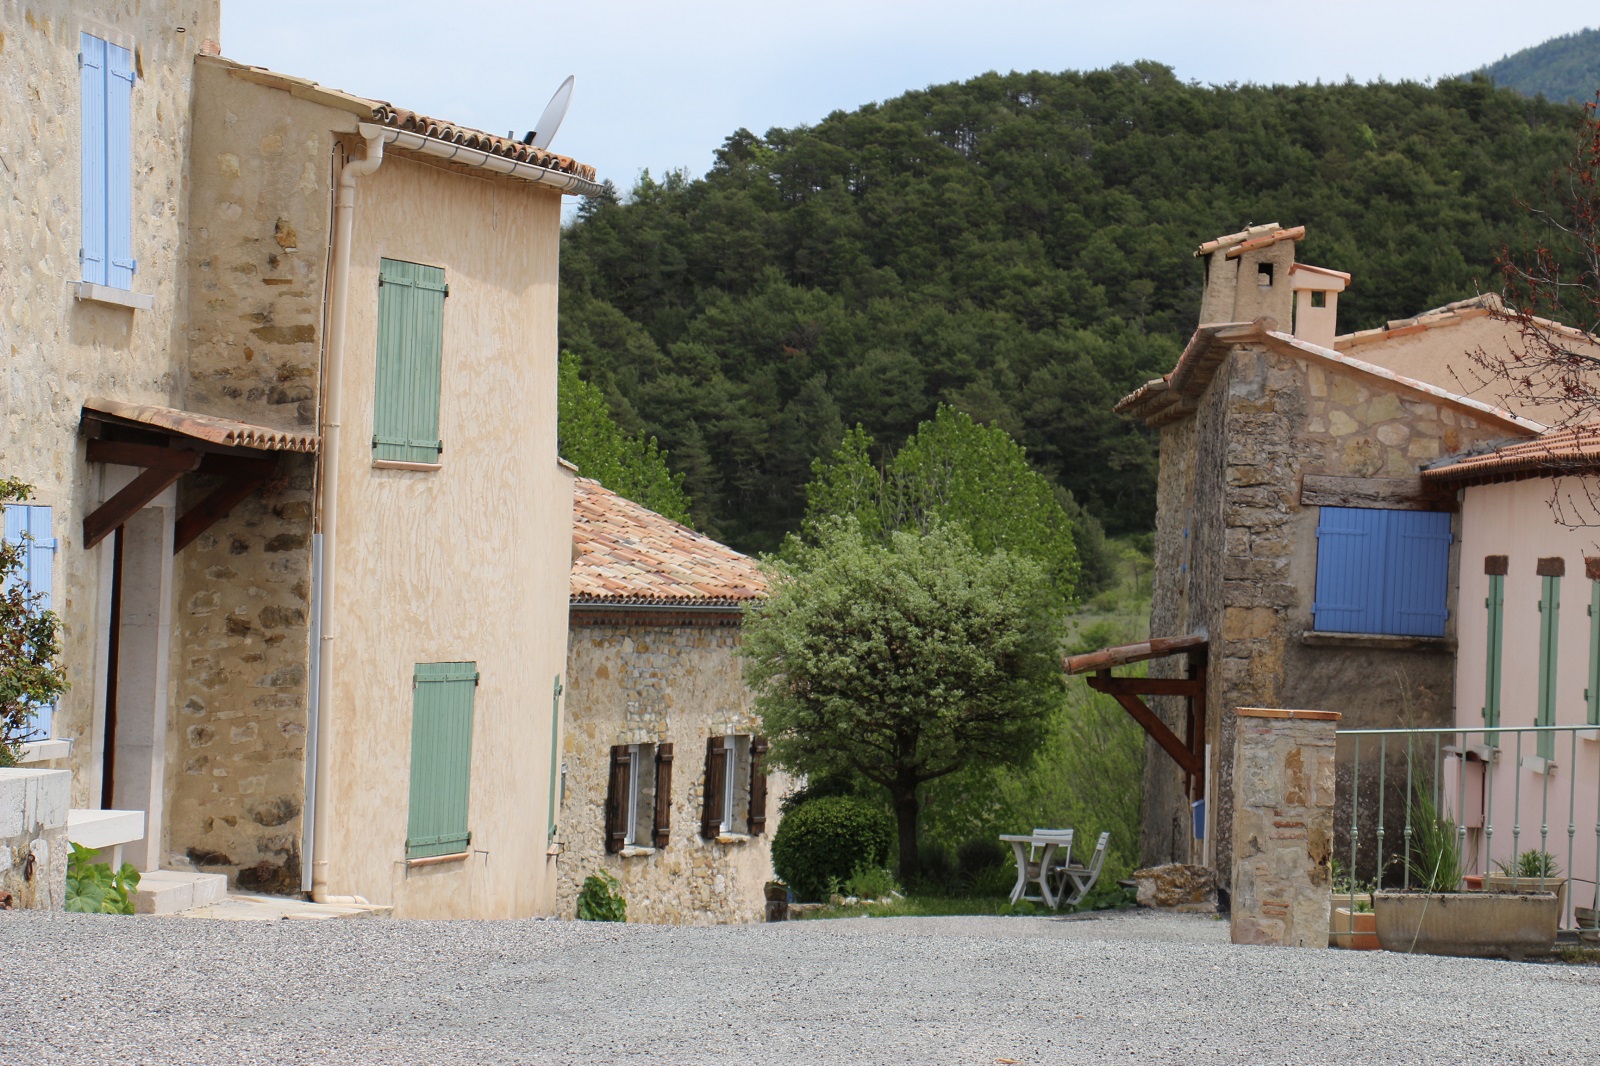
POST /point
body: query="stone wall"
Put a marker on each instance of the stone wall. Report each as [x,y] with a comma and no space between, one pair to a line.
[55,350]
[1230,512]
[33,838]
[638,684]
[261,173]
[1283,825]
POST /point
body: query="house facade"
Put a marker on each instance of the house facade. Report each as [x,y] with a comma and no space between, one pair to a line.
[1296,543]
[293,459]
[664,782]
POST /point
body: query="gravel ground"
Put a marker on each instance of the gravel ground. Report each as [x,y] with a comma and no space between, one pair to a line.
[1135,988]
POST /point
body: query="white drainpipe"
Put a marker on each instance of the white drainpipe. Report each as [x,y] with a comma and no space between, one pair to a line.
[339,303]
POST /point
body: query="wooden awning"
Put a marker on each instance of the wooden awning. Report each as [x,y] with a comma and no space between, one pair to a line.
[168,443]
[1189,752]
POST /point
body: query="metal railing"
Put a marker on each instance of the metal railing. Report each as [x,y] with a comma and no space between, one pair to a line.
[1506,791]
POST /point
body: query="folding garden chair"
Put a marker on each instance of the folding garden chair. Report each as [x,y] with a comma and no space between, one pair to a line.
[1081,877]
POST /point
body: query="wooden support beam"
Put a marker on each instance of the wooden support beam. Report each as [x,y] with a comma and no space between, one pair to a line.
[134,496]
[153,456]
[218,502]
[1151,723]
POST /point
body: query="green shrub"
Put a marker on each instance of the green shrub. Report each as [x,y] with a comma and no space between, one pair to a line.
[980,855]
[94,888]
[828,839]
[937,870]
[871,882]
[600,899]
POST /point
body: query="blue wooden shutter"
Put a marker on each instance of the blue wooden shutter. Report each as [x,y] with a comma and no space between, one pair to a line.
[405,419]
[1418,573]
[1350,571]
[441,758]
[120,265]
[92,90]
[1381,571]
[23,521]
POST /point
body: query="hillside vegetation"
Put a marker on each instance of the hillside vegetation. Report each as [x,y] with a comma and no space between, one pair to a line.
[1565,68]
[1018,247]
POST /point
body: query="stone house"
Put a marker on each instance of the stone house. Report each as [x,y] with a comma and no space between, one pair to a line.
[274,627]
[1301,561]
[663,778]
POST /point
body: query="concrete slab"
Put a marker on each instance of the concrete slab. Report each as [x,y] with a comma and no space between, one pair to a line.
[239,908]
[174,891]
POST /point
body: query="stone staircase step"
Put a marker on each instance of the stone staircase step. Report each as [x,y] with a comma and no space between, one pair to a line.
[241,908]
[174,891]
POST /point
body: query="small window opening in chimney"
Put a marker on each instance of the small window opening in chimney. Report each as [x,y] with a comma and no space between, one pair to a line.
[1319,298]
[1264,275]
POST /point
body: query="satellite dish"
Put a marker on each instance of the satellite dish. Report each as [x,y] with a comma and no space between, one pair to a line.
[554,112]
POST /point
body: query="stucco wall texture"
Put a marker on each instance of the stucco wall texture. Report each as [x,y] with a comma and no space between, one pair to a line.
[649,685]
[1236,559]
[55,350]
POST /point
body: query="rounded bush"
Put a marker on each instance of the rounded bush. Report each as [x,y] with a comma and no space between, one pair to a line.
[829,838]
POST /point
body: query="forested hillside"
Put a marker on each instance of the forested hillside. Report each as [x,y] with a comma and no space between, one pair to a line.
[1563,68]
[1018,246]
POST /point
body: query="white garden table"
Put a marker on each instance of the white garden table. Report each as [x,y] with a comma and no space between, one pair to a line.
[1020,844]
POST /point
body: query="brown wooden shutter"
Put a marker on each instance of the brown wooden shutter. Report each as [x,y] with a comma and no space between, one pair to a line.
[663,828]
[617,800]
[716,781]
[758,785]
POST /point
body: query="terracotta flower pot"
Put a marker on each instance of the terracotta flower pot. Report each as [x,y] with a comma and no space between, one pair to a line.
[1357,930]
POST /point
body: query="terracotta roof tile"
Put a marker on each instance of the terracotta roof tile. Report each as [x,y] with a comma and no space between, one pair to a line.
[627,554]
[210,428]
[401,119]
[1575,450]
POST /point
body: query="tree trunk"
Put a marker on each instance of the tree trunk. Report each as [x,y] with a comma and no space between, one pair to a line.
[905,816]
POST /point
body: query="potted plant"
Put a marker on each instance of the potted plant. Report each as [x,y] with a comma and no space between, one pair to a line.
[1354,926]
[1436,919]
[1531,871]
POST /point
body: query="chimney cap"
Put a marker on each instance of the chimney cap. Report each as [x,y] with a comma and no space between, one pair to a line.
[1318,278]
[1251,238]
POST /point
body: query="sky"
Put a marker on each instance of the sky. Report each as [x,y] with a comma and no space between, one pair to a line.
[660,85]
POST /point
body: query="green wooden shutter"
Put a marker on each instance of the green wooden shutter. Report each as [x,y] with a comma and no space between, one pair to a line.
[441,758]
[1591,695]
[1549,633]
[405,417]
[1496,604]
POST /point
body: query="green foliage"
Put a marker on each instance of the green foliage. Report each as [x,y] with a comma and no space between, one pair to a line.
[1565,68]
[1533,864]
[871,882]
[94,888]
[824,842]
[951,470]
[1435,859]
[1017,247]
[30,643]
[632,467]
[902,662]
[600,899]
[1107,895]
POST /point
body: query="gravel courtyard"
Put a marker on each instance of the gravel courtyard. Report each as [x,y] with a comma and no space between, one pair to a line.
[1134,988]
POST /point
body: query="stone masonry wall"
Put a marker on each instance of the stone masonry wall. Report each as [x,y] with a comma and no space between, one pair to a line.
[56,350]
[649,685]
[33,838]
[1283,825]
[260,195]
[1236,558]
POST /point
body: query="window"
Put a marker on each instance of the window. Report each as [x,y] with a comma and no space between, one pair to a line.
[405,415]
[1550,574]
[106,84]
[1495,567]
[1382,572]
[735,800]
[1319,298]
[29,526]
[441,758]
[639,797]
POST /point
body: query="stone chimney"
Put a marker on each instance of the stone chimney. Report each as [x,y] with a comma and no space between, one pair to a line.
[1316,302]
[1247,275]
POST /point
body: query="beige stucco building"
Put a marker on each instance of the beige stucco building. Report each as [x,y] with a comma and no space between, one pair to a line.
[293,467]
[664,782]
